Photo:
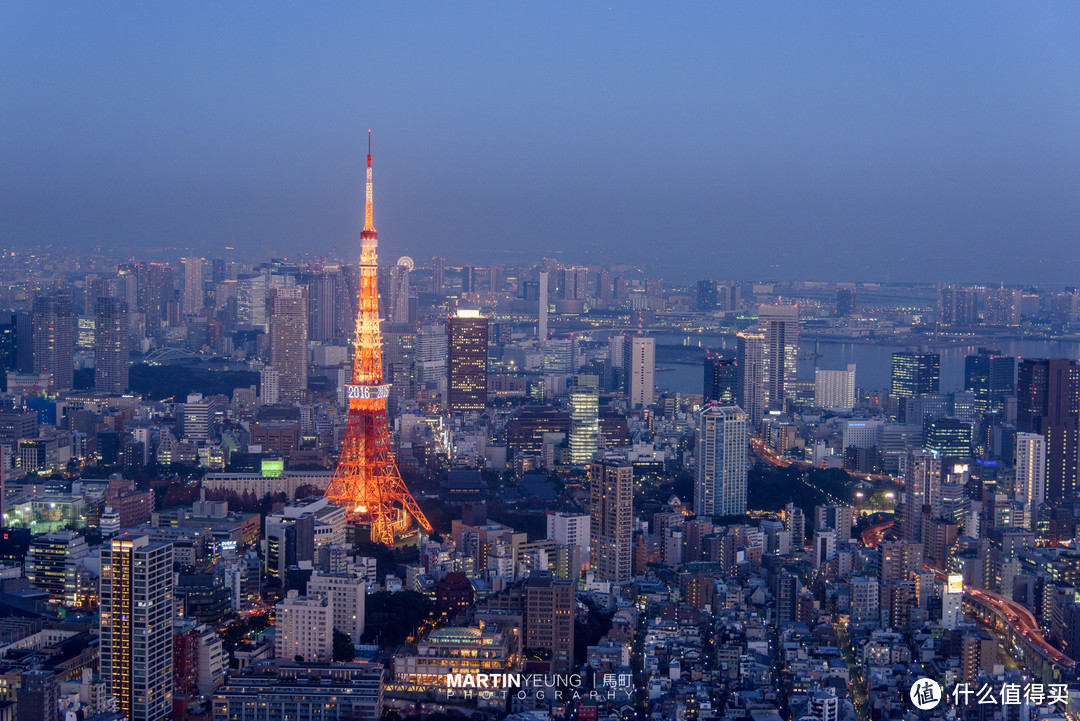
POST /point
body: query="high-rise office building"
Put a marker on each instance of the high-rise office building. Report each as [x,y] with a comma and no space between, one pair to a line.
[1030,464]
[111,345]
[54,340]
[1048,403]
[251,293]
[642,370]
[780,352]
[198,420]
[467,349]
[845,301]
[136,610]
[913,375]
[399,365]
[584,419]
[496,278]
[192,301]
[468,279]
[835,390]
[431,352]
[16,343]
[958,306]
[706,295]
[155,289]
[52,564]
[558,356]
[542,312]
[289,341]
[950,437]
[991,376]
[322,304]
[611,500]
[721,379]
[398,312]
[750,358]
[721,461]
[438,275]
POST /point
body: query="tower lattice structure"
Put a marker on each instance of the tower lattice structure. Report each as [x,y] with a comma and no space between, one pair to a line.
[367,480]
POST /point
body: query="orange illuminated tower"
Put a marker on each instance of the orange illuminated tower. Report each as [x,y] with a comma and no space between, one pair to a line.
[367,480]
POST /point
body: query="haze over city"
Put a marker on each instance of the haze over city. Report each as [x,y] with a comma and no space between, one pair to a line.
[825,141]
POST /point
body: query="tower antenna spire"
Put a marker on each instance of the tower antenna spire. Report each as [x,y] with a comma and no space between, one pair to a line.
[369,206]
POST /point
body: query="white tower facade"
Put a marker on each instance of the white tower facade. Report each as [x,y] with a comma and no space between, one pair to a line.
[721,461]
[642,371]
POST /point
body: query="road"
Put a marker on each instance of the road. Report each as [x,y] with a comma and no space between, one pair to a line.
[1024,622]
[762,451]
[769,456]
[872,536]
[1020,619]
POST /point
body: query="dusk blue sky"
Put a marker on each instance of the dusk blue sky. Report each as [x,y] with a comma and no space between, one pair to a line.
[812,140]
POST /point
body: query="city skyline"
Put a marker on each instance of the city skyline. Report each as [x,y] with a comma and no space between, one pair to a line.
[719,362]
[847,142]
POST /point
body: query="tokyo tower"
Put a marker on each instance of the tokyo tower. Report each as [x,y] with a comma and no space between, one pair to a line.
[367,479]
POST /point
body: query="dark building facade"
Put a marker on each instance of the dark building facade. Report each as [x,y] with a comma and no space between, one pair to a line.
[1048,403]
[467,355]
[721,380]
[913,375]
[991,376]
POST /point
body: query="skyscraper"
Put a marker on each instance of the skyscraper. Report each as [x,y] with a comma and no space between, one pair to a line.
[845,301]
[542,312]
[1030,467]
[289,341]
[438,273]
[611,499]
[749,356]
[399,365]
[111,345]
[136,607]
[54,340]
[706,295]
[913,374]
[642,385]
[467,336]
[922,480]
[780,324]
[584,420]
[721,461]
[398,311]
[431,351]
[950,437]
[721,379]
[322,304]
[1048,403]
[991,376]
[155,290]
[192,301]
